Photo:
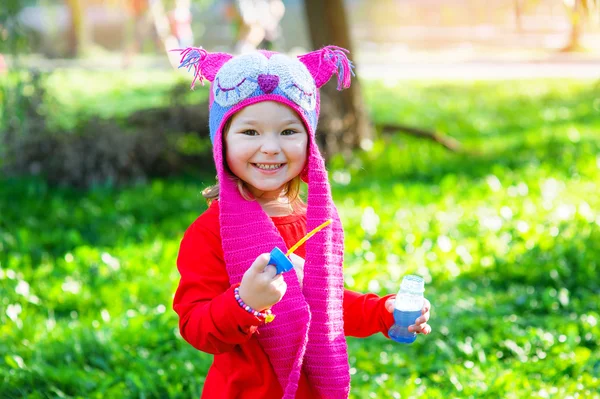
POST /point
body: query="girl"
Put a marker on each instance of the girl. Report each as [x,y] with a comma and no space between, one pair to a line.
[272,335]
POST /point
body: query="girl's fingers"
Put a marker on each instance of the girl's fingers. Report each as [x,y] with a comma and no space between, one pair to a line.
[420,329]
[389,304]
[426,306]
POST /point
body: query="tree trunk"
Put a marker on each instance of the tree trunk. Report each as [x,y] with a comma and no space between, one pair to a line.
[576,18]
[518,15]
[344,123]
[79,35]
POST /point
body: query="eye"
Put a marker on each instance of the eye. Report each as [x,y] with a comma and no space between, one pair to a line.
[250,132]
[289,132]
[237,79]
[294,80]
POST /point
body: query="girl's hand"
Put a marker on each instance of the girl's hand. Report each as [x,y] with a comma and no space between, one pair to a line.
[298,263]
[420,326]
[261,286]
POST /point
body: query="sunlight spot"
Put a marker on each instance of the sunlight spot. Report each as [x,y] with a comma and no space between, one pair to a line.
[71,286]
[352,371]
[586,212]
[366,144]
[493,223]
[370,256]
[342,177]
[554,231]
[131,313]
[452,268]
[469,364]
[11,274]
[523,189]
[105,315]
[592,321]
[487,261]
[13,311]
[374,286]
[22,288]
[464,254]
[456,383]
[562,338]
[565,212]
[522,226]
[506,212]
[493,182]
[563,296]
[69,257]
[444,243]
[393,259]
[589,336]
[111,261]
[369,221]
[550,189]
[573,135]
[160,309]
[19,361]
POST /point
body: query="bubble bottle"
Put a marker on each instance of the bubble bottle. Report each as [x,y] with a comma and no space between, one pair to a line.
[407,308]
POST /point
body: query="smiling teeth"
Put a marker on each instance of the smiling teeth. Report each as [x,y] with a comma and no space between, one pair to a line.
[268,167]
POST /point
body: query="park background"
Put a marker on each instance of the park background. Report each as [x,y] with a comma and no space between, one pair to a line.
[467,151]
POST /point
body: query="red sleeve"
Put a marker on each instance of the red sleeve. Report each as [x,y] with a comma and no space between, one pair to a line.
[210,319]
[365,314]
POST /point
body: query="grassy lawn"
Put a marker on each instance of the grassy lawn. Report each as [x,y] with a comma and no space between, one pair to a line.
[507,237]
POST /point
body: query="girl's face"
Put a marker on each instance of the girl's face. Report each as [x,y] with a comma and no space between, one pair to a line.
[266,146]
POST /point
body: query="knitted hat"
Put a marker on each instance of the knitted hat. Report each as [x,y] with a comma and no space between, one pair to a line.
[308,331]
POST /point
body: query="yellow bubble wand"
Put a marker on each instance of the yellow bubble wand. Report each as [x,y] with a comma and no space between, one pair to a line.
[281,260]
[306,237]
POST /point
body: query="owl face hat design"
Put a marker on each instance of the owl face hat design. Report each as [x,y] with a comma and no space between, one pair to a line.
[266,76]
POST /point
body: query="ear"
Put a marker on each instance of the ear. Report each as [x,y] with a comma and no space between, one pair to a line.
[205,64]
[324,63]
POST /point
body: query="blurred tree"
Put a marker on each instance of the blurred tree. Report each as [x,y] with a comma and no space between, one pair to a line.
[78,38]
[344,121]
[578,11]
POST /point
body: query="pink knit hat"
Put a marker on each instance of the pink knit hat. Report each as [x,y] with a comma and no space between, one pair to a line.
[308,331]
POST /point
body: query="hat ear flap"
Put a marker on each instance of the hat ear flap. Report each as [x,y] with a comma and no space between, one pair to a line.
[324,63]
[205,64]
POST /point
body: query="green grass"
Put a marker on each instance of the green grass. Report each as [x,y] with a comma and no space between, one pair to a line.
[508,239]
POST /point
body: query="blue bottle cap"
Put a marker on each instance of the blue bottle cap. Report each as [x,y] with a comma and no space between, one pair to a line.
[280,261]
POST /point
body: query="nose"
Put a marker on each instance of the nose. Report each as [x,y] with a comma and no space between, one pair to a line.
[270,144]
[268,83]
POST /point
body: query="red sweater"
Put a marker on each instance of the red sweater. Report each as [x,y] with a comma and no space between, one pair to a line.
[211,320]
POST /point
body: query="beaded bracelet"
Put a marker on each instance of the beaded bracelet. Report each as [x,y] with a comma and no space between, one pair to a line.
[267,315]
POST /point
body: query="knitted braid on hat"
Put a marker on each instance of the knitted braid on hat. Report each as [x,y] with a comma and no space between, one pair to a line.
[308,330]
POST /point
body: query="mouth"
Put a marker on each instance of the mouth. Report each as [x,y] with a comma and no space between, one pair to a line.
[268,166]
